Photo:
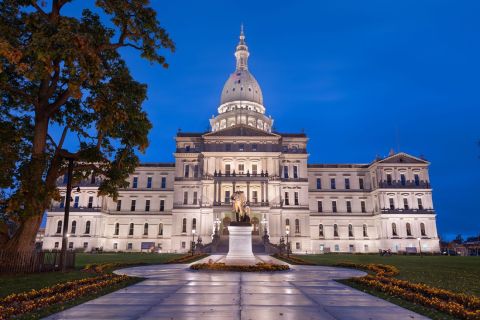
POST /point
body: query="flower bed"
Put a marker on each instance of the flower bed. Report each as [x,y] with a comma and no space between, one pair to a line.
[22,303]
[457,304]
[292,259]
[260,267]
[188,258]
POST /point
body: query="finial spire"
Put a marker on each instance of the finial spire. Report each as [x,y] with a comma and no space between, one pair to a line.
[241,54]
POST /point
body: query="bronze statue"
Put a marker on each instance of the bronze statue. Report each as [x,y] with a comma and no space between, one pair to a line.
[239,206]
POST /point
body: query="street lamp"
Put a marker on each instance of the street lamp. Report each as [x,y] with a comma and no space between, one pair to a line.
[265,232]
[420,247]
[193,241]
[287,231]
[216,224]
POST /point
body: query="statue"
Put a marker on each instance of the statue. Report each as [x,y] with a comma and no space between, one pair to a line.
[239,206]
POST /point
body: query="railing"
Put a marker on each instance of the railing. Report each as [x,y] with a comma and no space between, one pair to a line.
[75,209]
[407,211]
[409,184]
[251,204]
[33,261]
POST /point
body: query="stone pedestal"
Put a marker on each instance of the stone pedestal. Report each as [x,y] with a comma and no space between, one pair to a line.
[240,246]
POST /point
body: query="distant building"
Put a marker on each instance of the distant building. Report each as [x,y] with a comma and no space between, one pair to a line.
[39,239]
[385,204]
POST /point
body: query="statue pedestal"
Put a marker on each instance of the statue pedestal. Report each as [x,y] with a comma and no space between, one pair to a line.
[240,246]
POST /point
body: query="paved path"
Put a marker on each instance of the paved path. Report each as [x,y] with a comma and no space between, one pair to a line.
[174,292]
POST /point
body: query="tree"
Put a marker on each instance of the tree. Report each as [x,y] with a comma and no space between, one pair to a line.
[63,72]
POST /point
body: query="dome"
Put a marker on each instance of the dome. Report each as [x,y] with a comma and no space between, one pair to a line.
[241,86]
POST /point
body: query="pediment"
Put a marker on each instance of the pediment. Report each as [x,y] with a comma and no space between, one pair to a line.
[402,157]
[240,131]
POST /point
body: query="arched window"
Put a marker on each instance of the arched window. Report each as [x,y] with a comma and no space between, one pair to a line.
[117,229]
[335,230]
[87,227]
[350,231]
[287,222]
[320,231]
[194,224]
[184,225]
[130,230]
[59,226]
[297,226]
[365,230]
[160,229]
[145,229]
[409,230]
[73,229]
[394,230]
[422,229]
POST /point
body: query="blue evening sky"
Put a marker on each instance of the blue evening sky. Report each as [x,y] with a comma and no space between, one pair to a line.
[360,77]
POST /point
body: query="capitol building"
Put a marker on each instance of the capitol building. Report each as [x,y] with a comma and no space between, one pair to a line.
[357,208]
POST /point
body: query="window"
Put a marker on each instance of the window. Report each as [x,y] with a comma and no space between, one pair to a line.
[195,195]
[147,205]
[184,225]
[392,203]
[335,230]
[129,246]
[254,169]
[332,184]
[422,229]
[405,203]
[185,197]
[334,206]
[420,204]
[297,245]
[119,205]
[164,182]
[320,231]
[287,222]
[363,206]
[416,177]
[360,184]
[319,183]
[241,168]
[184,244]
[187,148]
[227,196]
[115,246]
[59,226]
[194,224]
[130,230]
[162,205]
[350,231]
[195,171]
[319,206]
[254,147]
[403,180]
[347,183]
[295,172]
[85,245]
[73,229]
[297,226]
[255,196]
[62,202]
[70,245]
[365,247]
[145,229]
[117,229]
[394,230]
[409,229]
[287,201]
[349,206]
[365,230]
[135,183]
[351,248]
[337,247]
[90,202]
[389,179]
[241,147]
[75,203]
[228,147]
[56,245]
[227,169]
[132,205]
[296,198]
[149,182]
[87,227]
[160,229]
[186,171]
[285,172]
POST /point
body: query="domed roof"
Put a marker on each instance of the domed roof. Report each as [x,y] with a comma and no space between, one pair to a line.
[241,86]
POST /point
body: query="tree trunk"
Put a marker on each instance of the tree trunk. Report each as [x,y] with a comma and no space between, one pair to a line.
[24,238]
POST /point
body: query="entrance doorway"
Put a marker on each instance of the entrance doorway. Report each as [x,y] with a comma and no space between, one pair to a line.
[256,226]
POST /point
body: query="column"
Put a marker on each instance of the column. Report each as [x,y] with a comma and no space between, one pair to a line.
[248,191]
[262,191]
[266,191]
[214,192]
[219,191]
[233,185]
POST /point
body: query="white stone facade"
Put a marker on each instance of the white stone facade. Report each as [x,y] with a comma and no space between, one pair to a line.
[386,204]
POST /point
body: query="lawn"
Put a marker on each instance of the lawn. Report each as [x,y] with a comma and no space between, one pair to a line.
[460,274]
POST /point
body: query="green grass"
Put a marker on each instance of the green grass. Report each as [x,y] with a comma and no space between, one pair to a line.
[459,274]
[82,259]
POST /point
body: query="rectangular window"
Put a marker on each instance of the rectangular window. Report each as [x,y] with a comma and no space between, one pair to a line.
[119,205]
[228,147]
[360,184]
[133,204]
[254,169]
[85,245]
[287,201]
[75,202]
[392,203]
[389,179]
[185,197]
[115,246]
[255,196]
[187,171]
[241,147]
[187,148]
[254,147]
[149,182]
[403,179]
[319,183]
[135,183]
[162,205]
[347,183]
[70,245]
[62,202]
[417,179]
[349,206]
[241,168]
[297,245]
[227,196]
[296,198]
[56,245]
[164,182]
[285,172]
[129,246]
[420,204]
[227,169]
[332,184]
[334,206]
[90,202]
[184,244]
[295,172]
[319,206]
[405,203]
[363,205]
[195,171]
[147,205]
[195,194]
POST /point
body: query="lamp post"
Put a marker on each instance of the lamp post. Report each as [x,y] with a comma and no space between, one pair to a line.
[287,232]
[193,241]
[265,233]
[420,247]
[216,223]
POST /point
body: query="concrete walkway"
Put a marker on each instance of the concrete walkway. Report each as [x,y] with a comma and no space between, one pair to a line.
[175,292]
